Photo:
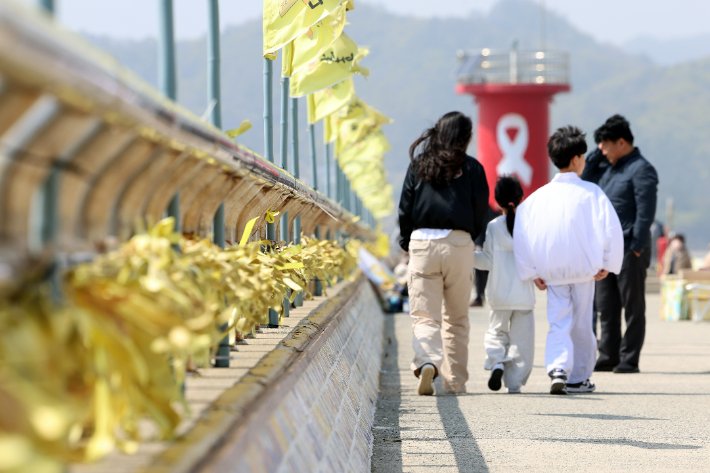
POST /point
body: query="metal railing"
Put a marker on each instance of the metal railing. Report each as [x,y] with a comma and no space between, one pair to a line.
[489,66]
[107,131]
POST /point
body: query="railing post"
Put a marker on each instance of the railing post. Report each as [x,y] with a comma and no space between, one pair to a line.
[317,285]
[167,78]
[214,98]
[269,152]
[298,301]
[50,199]
[318,288]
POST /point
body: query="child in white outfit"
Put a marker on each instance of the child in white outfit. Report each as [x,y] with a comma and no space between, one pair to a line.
[509,340]
[567,235]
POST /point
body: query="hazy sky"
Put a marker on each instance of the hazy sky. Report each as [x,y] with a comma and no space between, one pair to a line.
[614,21]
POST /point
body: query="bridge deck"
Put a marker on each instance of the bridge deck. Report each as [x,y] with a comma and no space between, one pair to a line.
[655,421]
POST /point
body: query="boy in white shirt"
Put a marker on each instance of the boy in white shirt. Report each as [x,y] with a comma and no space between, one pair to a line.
[568,236]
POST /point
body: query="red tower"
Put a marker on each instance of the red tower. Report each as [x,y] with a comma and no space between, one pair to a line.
[513,90]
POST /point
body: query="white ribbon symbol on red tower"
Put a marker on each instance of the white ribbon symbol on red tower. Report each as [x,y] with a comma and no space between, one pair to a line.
[512,134]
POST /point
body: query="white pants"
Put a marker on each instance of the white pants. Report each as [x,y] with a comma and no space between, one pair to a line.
[510,339]
[571,344]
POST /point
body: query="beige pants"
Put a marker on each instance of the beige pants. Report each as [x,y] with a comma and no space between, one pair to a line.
[440,280]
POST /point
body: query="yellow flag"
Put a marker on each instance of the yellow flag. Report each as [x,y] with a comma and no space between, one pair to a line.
[361,121]
[353,122]
[328,101]
[330,128]
[285,20]
[338,62]
[309,46]
[356,168]
[374,144]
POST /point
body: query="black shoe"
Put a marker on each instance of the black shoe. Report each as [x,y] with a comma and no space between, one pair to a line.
[494,382]
[626,369]
[604,366]
[477,302]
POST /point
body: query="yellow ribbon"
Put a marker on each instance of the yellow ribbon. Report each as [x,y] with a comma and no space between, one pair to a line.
[290,266]
[247,231]
[243,126]
[270,216]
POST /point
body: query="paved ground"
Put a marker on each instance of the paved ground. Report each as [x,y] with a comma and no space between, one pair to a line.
[655,421]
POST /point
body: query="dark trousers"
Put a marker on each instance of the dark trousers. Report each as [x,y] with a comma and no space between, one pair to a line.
[626,291]
[480,279]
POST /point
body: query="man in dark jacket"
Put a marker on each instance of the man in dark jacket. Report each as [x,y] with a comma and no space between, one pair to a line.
[631,183]
[596,163]
[595,166]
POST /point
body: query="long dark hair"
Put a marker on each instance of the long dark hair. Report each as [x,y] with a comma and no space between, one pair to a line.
[508,195]
[438,155]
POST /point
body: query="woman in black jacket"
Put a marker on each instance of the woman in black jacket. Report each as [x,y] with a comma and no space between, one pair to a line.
[441,211]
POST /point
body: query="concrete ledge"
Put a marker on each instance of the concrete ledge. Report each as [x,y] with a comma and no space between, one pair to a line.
[307,405]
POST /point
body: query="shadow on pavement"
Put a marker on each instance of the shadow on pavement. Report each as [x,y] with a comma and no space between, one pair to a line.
[629,442]
[466,451]
[600,416]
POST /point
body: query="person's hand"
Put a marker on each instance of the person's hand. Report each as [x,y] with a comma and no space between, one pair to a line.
[601,275]
[540,284]
[637,253]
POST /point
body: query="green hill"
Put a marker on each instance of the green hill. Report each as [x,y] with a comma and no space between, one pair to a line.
[412,65]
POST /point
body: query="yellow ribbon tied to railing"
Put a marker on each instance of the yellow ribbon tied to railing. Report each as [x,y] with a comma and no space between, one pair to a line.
[270,216]
[247,231]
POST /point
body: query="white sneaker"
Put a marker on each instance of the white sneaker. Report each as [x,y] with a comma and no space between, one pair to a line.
[426,380]
[582,387]
[559,381]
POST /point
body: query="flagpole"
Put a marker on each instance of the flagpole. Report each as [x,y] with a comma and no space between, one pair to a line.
[295,152]
[284,147]
[314,156]
[167,79]
[283,227]
[328,158]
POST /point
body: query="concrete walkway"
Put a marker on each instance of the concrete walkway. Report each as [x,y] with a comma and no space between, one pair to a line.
[655,421]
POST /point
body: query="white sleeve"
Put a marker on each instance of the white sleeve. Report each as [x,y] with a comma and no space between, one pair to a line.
[614,236]
[483,259]
[521,246]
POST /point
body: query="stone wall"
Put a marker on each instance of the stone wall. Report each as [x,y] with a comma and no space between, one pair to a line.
[308,406]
